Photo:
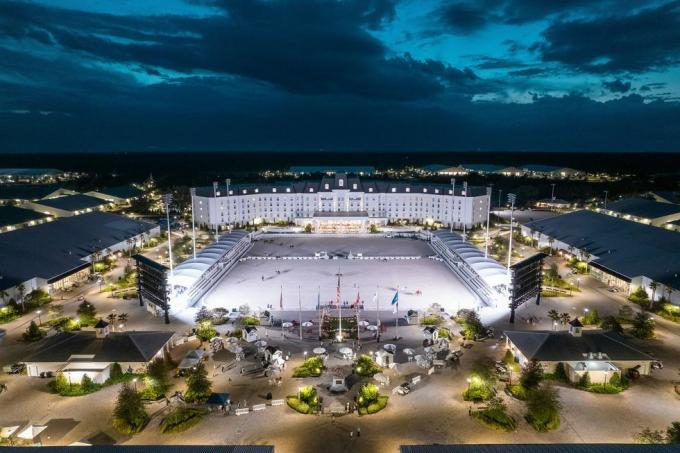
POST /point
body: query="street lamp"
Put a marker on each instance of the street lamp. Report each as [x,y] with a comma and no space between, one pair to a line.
[39,321]
[134,381]
[468,382]
[305,353]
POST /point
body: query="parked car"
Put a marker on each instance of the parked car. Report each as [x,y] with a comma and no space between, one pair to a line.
[404,389]
[14,368]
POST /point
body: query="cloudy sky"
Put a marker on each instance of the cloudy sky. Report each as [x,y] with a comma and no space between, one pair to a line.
[568,75]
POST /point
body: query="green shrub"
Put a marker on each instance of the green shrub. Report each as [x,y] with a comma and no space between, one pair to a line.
[584,381]
[33,332]
[370,400]
[543,409]
[472,326]
[250,321]
[445,333]
[431,320]
[591,318]
[199,386]
[295,404]
[640,297]
[518,391]
[496,417]
[129,415]
[8,313]
[87,314]
[365,366]
[180,420]
[532,375]
[510,361]
[312,367]
[205,330]
[643,326]
[481,383]
[561,373]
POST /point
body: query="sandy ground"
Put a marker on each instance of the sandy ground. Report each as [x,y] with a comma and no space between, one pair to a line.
[259,283]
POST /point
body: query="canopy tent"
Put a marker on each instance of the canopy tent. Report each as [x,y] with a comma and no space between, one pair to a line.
[372,328]
[319,351]
[31,431]
[7,431]
[191,359]
[218,399]
[390,347]
[307,324]
[287,325]
[409,351]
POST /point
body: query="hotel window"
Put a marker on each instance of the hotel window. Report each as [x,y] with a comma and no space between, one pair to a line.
[370,189]
[341,183]
[257,190]
[408,189]
[311,190]
[326,186]
[394,189]
[245,191]
[274,190]
[288,190]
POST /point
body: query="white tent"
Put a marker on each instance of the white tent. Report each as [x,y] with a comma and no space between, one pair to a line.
[372,328]
[390,347]
[287,325]
[409,351]
[7,431]
[363,323]
[31,431]
[319,351]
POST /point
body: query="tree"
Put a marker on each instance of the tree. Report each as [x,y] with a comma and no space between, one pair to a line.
[60,383]
[554,315]
[129,416]
[591,317]
[653,286]
[205,331]
[472,326]
[532,375]
[673,433]
[112,318]
[86,383]
[643,326]
[565,318]
[4,295]
[123,318]
[21,292]
[156,379]
[244,309]
[33,332]
[613,324]
[116,371]
[584,381]
[649,436]
[543,407]
[561,372]
[87,313]
[199,386]
[55,311]
[203,314]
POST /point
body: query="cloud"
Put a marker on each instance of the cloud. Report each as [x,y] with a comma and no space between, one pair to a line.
[463,18]
[636,42]
[301,46]
[616,86]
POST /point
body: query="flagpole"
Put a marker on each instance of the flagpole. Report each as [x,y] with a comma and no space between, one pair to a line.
[356,310]
[318,306]
[339,308]
[283,334]
[300,309]
[377,307]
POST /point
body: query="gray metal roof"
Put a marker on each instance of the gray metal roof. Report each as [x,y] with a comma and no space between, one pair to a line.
[11,215]
[26,191]
[147,449]
[331,169]
[56,248]
[644,208]
[72,202]
[564,347]
[127,191]
[628,248]
[115,347]
[539,448]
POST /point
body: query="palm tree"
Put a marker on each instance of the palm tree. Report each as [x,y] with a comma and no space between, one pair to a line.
[122,318]
[551,242]
[554,315]
[4,295]
[653,286]
[586,257]
[565,318]
[21,292]
[111,318]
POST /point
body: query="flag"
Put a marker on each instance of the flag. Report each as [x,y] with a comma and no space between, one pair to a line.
[358,301]
[318,299]
[395,302]
[281,299]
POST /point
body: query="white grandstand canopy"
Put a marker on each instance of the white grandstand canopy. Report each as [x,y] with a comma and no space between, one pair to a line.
[491,271]
[190,271]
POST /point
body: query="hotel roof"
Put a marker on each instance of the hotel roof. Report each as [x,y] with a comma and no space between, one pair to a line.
[57,248]
[342,182]
[627,248]
[26,191]
[72,202]
[644,208]
[565,347]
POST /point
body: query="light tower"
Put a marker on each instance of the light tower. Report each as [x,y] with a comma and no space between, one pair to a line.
[192,193]
[511,199]
[167,199]
[453,201]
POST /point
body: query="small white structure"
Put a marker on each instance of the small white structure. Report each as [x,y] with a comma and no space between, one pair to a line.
[274,357]
[337,385]
[249,334]
[346,353]
[384,358]
[31,432]
[431,333]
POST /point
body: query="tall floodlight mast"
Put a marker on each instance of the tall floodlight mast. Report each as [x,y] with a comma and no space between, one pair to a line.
[192,193]
[511,199]
[167,200]
[453,200]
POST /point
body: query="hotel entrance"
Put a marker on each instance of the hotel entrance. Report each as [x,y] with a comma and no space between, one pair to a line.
[341,222]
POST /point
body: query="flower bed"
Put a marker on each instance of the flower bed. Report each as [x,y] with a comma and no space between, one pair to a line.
[180,420]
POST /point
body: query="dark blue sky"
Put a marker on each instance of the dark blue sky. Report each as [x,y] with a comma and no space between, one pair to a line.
[540,75]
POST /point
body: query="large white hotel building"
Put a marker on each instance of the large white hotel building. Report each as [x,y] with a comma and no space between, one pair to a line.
[340,203]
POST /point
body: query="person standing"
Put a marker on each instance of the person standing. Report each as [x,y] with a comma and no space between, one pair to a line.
[358,431]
